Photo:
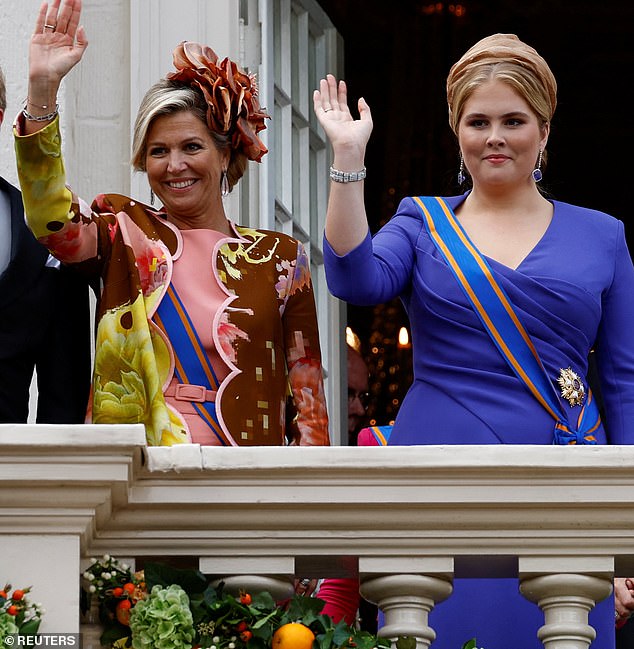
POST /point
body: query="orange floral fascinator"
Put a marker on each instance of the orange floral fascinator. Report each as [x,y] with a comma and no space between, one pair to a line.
[231,95]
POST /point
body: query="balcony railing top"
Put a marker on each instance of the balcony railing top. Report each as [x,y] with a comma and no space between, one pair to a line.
[405,504]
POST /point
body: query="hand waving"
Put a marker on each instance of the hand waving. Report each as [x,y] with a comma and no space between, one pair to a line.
[57,44]
[330,104]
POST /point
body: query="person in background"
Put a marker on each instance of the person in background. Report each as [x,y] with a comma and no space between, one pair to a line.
[507,291]
[358,394]
[358,397]
[41,305]
[625,624]
[203,326]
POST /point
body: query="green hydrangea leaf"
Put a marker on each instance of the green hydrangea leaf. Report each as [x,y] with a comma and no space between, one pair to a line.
[31,627]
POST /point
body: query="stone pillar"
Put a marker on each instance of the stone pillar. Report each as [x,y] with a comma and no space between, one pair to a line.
[90,627]
[252,574]
[280,587]
[566,599]
[49,564]
[406,599]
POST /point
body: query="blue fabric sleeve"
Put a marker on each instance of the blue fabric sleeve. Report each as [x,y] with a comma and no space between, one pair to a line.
[614,347]
[380,268]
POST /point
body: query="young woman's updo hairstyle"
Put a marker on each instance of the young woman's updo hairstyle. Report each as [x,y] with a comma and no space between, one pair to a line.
[219,93]
[506,58]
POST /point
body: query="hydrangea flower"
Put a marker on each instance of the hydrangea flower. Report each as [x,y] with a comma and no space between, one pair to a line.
[7,626]
[163,621]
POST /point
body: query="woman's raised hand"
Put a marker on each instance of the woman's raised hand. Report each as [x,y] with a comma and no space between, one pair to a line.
[347,135]
[57,45]
[346,222]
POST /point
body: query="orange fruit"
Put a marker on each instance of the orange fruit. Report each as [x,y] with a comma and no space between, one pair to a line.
[122,611]
[293,636]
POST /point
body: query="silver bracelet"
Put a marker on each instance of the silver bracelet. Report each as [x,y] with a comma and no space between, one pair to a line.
[41,118]
[346,176]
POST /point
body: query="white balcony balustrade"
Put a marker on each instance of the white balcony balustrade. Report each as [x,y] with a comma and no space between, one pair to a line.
[407,520]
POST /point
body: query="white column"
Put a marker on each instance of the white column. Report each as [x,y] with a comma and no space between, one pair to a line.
[50,566]
[252,574]
[566,598]
[406,599]
[156,28]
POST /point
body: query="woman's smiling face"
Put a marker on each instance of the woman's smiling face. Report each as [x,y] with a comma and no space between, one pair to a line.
[184,168]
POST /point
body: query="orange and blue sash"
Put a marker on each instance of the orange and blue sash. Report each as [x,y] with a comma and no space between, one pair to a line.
[493,307]
[381,434]
[191,364]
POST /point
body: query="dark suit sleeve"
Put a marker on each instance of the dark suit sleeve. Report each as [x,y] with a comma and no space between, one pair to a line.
[63,358]
[44,325]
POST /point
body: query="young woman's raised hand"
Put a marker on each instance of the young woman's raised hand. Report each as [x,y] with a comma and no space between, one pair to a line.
[330,103]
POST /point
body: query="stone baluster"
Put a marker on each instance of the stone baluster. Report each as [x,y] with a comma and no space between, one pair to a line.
[280,587]
[566,598]
[252,574]
[406,599]
[90,627]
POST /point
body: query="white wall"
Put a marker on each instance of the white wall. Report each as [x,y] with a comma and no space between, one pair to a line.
[14,37]
[94,99]
[47,572]
[158,26]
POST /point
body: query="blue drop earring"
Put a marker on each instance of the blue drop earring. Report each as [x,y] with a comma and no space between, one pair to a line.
[537,172]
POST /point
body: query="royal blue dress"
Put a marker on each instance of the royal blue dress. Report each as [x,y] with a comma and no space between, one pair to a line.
[574,292]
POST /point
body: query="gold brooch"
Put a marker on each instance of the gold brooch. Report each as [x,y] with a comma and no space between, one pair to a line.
[571,387]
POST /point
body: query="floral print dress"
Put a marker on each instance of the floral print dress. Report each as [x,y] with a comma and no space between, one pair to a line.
[264,331]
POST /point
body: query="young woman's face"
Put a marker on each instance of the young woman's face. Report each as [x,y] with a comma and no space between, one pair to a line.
[184,165]
[500,136]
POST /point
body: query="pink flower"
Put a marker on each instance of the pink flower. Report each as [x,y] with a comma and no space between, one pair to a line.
[228,333]
[152,269]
